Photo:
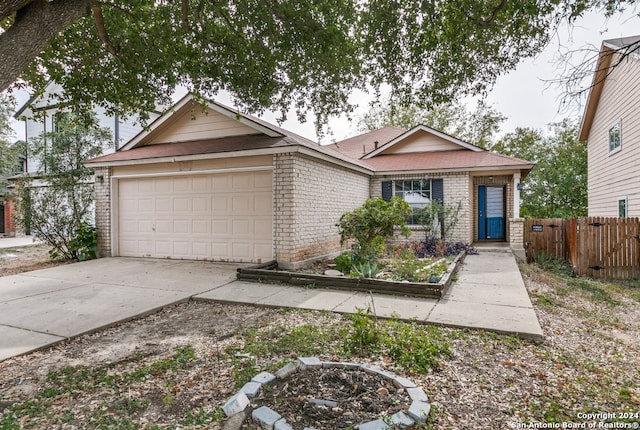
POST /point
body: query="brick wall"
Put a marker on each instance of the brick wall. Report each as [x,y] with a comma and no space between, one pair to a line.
[310,195]
[456,189]
[102,188]
[516,239]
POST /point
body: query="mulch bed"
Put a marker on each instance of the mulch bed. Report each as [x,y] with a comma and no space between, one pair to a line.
[360,397]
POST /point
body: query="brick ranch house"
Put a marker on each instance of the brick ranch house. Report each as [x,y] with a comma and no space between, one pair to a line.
[207,183]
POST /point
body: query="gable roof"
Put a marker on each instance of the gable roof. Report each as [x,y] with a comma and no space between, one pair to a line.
[358,146]
[369,148]
[268,138]
[446,160]
[628,46]
[418,129]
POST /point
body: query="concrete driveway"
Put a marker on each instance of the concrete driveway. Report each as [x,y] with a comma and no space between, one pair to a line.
[43,307]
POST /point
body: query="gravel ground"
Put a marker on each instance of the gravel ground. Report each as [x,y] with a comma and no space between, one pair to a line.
[24,259]
[176,367]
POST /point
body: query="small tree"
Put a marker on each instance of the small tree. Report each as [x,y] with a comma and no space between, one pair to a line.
[57,205]
[372,224]
[438,221]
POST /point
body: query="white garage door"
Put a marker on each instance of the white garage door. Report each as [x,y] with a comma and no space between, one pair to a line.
[224,217]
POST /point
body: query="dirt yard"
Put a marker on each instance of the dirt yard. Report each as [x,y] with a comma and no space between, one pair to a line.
[24,259]
[175,368]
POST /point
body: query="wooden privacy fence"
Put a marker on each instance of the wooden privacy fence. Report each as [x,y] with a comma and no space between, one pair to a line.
[595,246]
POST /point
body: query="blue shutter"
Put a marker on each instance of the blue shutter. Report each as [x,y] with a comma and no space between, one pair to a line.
[387,190]
[437,191]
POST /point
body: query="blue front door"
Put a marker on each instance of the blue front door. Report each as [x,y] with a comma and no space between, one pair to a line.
[491,223]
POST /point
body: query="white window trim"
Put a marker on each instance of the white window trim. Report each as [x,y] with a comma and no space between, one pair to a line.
[619,148]
[626,206]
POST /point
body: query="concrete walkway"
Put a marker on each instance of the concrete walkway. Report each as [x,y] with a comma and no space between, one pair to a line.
[489,294]
[47,306]
[17,242]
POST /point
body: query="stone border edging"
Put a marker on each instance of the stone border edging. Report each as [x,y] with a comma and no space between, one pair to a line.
[265,272]
[269,419]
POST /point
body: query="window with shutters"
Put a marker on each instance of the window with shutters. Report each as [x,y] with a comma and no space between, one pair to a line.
[416,192]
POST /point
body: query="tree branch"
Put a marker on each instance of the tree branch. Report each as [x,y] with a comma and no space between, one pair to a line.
[185,15]
[494,14]
[9,7]
[96,8]
[36,25]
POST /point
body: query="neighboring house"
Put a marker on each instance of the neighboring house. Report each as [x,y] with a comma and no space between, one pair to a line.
[611,127]
[213,184]
[39,115]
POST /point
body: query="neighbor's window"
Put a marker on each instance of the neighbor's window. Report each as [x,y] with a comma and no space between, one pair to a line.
[622,207]
[615,137]
[417,193]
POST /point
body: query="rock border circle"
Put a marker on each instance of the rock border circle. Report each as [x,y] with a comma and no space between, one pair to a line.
[269,419]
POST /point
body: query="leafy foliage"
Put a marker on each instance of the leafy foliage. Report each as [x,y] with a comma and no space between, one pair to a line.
[412,346]
[57,205]
[439,220]
[435,247]
[413,269]
[557,185]
[478,127]
[371,224]
[310,54]
[85,242]
[8,150]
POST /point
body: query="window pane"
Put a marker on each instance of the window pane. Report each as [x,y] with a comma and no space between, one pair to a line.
[614,137]
[622,208]
[416,192]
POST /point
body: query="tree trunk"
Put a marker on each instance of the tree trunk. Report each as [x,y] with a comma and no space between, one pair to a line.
[36,25]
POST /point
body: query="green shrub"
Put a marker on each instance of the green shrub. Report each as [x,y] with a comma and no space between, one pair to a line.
[344,262]
[85,242]
[365,269]
[372,224]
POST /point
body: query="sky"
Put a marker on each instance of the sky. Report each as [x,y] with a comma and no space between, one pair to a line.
[523,95]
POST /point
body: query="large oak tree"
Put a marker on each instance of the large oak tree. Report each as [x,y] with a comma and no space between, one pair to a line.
[276,54]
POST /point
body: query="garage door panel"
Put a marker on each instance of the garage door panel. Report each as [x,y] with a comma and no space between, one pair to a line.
[181,249]
[144,187]
[201,183]
[146,205]
[200,226]
[201,204]
[221,204]
[241,251]
[262,229]
[221,183]
[181,184]
[181,226]
[163,204]
[220,226]
[163,185]
[242,227]
[212,216]
[182,204]
[262,204]
[201,249]
[242,204]
[263,181]
[162,248]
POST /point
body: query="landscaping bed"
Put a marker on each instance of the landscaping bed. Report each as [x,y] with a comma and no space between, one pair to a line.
[269,273]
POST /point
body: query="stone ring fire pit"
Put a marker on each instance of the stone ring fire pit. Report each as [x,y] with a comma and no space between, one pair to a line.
[330,395]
